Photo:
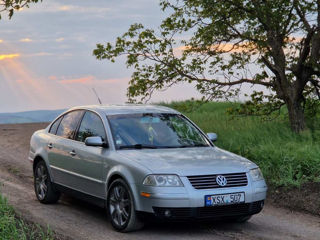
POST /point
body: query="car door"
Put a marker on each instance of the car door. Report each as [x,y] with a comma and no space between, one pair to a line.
[60,148]
[89,161]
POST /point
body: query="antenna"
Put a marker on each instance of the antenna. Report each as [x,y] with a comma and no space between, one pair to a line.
[97,96]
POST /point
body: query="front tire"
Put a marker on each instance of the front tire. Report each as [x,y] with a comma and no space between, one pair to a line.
[43,186]
[120,208]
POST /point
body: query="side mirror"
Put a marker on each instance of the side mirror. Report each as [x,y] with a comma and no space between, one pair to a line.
[95,142]
[212,136]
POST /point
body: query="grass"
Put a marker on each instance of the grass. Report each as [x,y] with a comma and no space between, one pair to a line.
[14,228]
[285,158]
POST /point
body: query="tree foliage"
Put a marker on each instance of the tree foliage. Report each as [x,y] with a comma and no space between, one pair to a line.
[9,6]
[221,45]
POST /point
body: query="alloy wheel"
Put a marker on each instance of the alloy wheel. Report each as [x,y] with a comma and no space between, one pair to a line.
[41,177]
[120,205]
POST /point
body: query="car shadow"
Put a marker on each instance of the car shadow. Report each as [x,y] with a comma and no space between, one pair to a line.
[162,228]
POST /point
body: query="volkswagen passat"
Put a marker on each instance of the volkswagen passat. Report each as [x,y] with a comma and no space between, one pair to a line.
[142,159]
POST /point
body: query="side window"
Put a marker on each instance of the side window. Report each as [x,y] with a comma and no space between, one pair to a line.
[69,123]
[90,126]
[55,125]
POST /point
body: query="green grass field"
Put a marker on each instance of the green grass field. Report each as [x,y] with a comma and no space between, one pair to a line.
[286,158]
[13,228]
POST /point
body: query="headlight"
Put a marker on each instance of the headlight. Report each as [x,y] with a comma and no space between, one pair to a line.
[163,181]
[256,174]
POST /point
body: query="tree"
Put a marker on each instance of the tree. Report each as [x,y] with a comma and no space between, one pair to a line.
[10,6]
[225,44]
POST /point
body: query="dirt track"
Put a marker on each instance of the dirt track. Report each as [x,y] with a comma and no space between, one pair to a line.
[77,220]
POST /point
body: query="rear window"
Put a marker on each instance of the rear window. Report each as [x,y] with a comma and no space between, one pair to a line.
[55,125]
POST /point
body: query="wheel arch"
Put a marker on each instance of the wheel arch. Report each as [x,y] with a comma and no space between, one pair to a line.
[38,158]
[114,177]
[125,175]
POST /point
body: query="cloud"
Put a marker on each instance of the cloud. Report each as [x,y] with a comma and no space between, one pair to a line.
[81,9]
[1,41]
[56,7]
[238,48]
[222,48]
[39,54]
[45,54]
[81,80]
[87,80]
[66,55]
[60,39]
[65,8]
[25,40]
[9,56]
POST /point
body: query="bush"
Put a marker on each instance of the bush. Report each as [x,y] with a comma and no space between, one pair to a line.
[284,157]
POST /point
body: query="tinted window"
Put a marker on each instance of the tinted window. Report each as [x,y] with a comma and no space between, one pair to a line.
[91,126]
[69,123]
[55,126]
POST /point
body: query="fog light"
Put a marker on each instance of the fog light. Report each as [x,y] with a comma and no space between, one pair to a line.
[167,213]
[262,204]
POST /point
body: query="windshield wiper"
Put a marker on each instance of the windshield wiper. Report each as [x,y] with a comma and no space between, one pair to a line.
[138,146]
[201,145]
[193,145]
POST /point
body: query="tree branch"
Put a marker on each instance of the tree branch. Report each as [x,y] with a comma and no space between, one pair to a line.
[304,53]
[302,16]
[269,65]
[315,51]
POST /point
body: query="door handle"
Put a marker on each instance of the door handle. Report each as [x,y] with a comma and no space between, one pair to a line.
[72,153]
[50,145]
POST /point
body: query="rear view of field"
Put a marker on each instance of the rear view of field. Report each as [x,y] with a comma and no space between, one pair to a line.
[78,220]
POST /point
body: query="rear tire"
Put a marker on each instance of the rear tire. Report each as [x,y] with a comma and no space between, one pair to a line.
[43,186]
[120,208]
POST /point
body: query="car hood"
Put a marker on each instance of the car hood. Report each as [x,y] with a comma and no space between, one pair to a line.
[189,161]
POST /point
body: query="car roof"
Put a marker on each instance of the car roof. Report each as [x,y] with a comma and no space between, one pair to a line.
[127,109]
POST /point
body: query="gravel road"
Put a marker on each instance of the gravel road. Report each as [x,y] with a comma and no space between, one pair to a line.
[77,220]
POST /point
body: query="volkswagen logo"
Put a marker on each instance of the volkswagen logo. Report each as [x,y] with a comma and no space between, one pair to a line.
[221,180]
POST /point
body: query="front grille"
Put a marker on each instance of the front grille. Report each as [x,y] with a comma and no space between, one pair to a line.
[230,210]
[224,211]
[209,181]
[215,212]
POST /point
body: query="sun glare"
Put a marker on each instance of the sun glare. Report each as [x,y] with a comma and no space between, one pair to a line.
[25,40]
[9,56]
[21,82]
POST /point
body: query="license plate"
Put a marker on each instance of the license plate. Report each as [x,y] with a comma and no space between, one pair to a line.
[224,199]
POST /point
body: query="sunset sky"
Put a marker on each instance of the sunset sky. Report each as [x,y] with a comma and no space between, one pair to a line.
[46,57]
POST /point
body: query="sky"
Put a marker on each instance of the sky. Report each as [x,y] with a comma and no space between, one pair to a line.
[46,59]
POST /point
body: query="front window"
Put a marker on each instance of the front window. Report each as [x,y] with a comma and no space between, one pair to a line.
[156,130]
[91,126]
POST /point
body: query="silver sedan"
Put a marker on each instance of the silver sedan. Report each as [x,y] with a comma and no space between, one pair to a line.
[143,160]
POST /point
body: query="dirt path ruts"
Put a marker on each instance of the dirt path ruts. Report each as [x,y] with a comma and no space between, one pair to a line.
[77,220]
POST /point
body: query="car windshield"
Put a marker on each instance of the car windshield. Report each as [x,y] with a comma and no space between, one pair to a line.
[155,130]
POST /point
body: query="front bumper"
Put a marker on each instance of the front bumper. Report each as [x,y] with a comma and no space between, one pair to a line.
[217,212]
[187,197]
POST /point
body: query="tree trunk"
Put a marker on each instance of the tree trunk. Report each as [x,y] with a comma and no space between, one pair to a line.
[296,115]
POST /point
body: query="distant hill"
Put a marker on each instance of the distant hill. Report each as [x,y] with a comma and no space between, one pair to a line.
[29,116]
